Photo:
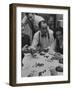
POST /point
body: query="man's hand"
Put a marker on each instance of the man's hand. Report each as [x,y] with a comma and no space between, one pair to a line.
[25,48]
[51,51]
[45,49]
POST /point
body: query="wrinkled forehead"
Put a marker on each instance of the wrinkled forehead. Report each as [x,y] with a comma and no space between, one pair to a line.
[30,14]
[43,24]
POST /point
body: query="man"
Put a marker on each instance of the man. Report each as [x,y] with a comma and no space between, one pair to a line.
[51,22]
[30,24]
[44,37]
[25,42]
[57,45]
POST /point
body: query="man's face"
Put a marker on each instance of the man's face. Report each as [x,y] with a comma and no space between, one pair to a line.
[31,17]
[51,22]
[43,27]
[59,35]
[22,32]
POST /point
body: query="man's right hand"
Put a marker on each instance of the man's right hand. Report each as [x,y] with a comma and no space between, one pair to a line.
[25,47]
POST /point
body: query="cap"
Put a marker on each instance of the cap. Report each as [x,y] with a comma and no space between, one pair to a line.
[38,19]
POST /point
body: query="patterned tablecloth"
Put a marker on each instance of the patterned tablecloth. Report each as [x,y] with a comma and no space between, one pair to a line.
[41,65]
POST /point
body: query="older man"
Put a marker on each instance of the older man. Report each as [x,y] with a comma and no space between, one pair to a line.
[44,37]
[30,24]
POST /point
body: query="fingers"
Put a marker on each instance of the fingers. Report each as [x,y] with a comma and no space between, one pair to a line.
[25,47]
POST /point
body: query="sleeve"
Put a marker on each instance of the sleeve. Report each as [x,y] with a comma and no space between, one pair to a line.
[24,19]
[53,45]
[35,41]
[52,48]
[51,38]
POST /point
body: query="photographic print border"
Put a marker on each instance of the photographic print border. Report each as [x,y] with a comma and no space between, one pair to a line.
[12,63]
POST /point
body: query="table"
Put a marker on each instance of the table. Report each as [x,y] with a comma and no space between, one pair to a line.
[40,65]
